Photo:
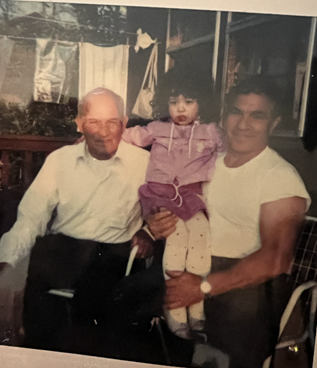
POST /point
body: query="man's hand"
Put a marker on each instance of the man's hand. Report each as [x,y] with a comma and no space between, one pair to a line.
[162,224]
[182,289]
[145,243]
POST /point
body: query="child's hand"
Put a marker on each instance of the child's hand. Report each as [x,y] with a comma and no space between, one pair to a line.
[145,243]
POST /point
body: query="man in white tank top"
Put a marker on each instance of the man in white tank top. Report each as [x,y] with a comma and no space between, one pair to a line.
[256,203]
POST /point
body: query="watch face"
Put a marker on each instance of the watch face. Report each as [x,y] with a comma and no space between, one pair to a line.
[205,287]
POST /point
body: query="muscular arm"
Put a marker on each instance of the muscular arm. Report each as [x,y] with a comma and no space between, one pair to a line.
[279,225]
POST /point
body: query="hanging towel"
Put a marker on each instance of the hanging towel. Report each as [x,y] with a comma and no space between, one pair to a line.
[6,46]
[103,67]
[53,71]
[142,106]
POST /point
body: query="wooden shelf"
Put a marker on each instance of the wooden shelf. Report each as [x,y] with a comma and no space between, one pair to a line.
[251,21]
[33,143]
[188,44]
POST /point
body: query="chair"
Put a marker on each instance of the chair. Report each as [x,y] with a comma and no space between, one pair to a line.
[304,274]
[309,332]
[68,294]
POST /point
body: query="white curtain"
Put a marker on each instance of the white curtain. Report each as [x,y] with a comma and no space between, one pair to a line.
[6,46]
[53,70]
[103,67]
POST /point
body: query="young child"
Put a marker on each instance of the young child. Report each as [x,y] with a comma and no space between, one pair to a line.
[183,156]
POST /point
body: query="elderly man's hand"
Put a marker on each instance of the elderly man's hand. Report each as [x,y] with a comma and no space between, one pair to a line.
[162,224]
[144,242]
[182,289]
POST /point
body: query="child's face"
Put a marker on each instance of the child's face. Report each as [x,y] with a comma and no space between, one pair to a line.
[183,111]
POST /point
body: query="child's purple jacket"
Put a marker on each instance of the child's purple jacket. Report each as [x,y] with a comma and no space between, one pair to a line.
[180,154]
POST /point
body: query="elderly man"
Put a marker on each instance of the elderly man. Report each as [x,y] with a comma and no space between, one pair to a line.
[88,194]
[256,203]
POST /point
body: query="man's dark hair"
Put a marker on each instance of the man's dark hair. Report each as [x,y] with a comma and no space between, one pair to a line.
[186,82]
[259,85]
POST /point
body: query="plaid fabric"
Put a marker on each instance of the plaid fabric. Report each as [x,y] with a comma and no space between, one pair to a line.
[305,262]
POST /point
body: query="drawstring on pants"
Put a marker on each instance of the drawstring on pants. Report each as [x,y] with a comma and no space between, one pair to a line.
[177,195]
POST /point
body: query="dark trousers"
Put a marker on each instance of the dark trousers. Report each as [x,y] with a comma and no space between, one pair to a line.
[114,309]
[244,323]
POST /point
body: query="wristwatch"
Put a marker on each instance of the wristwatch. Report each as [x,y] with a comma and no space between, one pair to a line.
[205,286]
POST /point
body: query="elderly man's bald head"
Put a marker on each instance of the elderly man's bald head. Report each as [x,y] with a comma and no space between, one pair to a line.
[83,104]
[102,122]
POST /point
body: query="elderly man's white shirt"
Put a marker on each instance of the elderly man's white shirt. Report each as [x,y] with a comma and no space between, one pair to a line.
[101,206]
[235,195]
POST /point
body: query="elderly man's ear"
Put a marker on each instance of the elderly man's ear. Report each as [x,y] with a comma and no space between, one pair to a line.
[125,121]
[274,124]
[79,123]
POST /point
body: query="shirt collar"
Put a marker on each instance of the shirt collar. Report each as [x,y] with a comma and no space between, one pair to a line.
[80,150]
[122,153]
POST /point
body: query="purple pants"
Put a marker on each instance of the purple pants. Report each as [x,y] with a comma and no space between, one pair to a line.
[183,201]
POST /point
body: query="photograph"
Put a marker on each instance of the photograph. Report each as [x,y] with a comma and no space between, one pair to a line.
[158,184]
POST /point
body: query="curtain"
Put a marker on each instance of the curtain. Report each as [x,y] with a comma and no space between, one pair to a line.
[6,46]
[55,61]
[103,67]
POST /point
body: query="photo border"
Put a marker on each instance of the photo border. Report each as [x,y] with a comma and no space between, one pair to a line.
[15,357]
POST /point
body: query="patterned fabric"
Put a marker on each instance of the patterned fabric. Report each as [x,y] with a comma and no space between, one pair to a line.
[305,260]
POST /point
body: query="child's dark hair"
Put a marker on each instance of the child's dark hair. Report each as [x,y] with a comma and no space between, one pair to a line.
[184,82]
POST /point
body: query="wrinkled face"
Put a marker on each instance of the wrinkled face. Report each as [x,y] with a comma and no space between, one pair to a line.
[182,110]
[249,123]
[102,126]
